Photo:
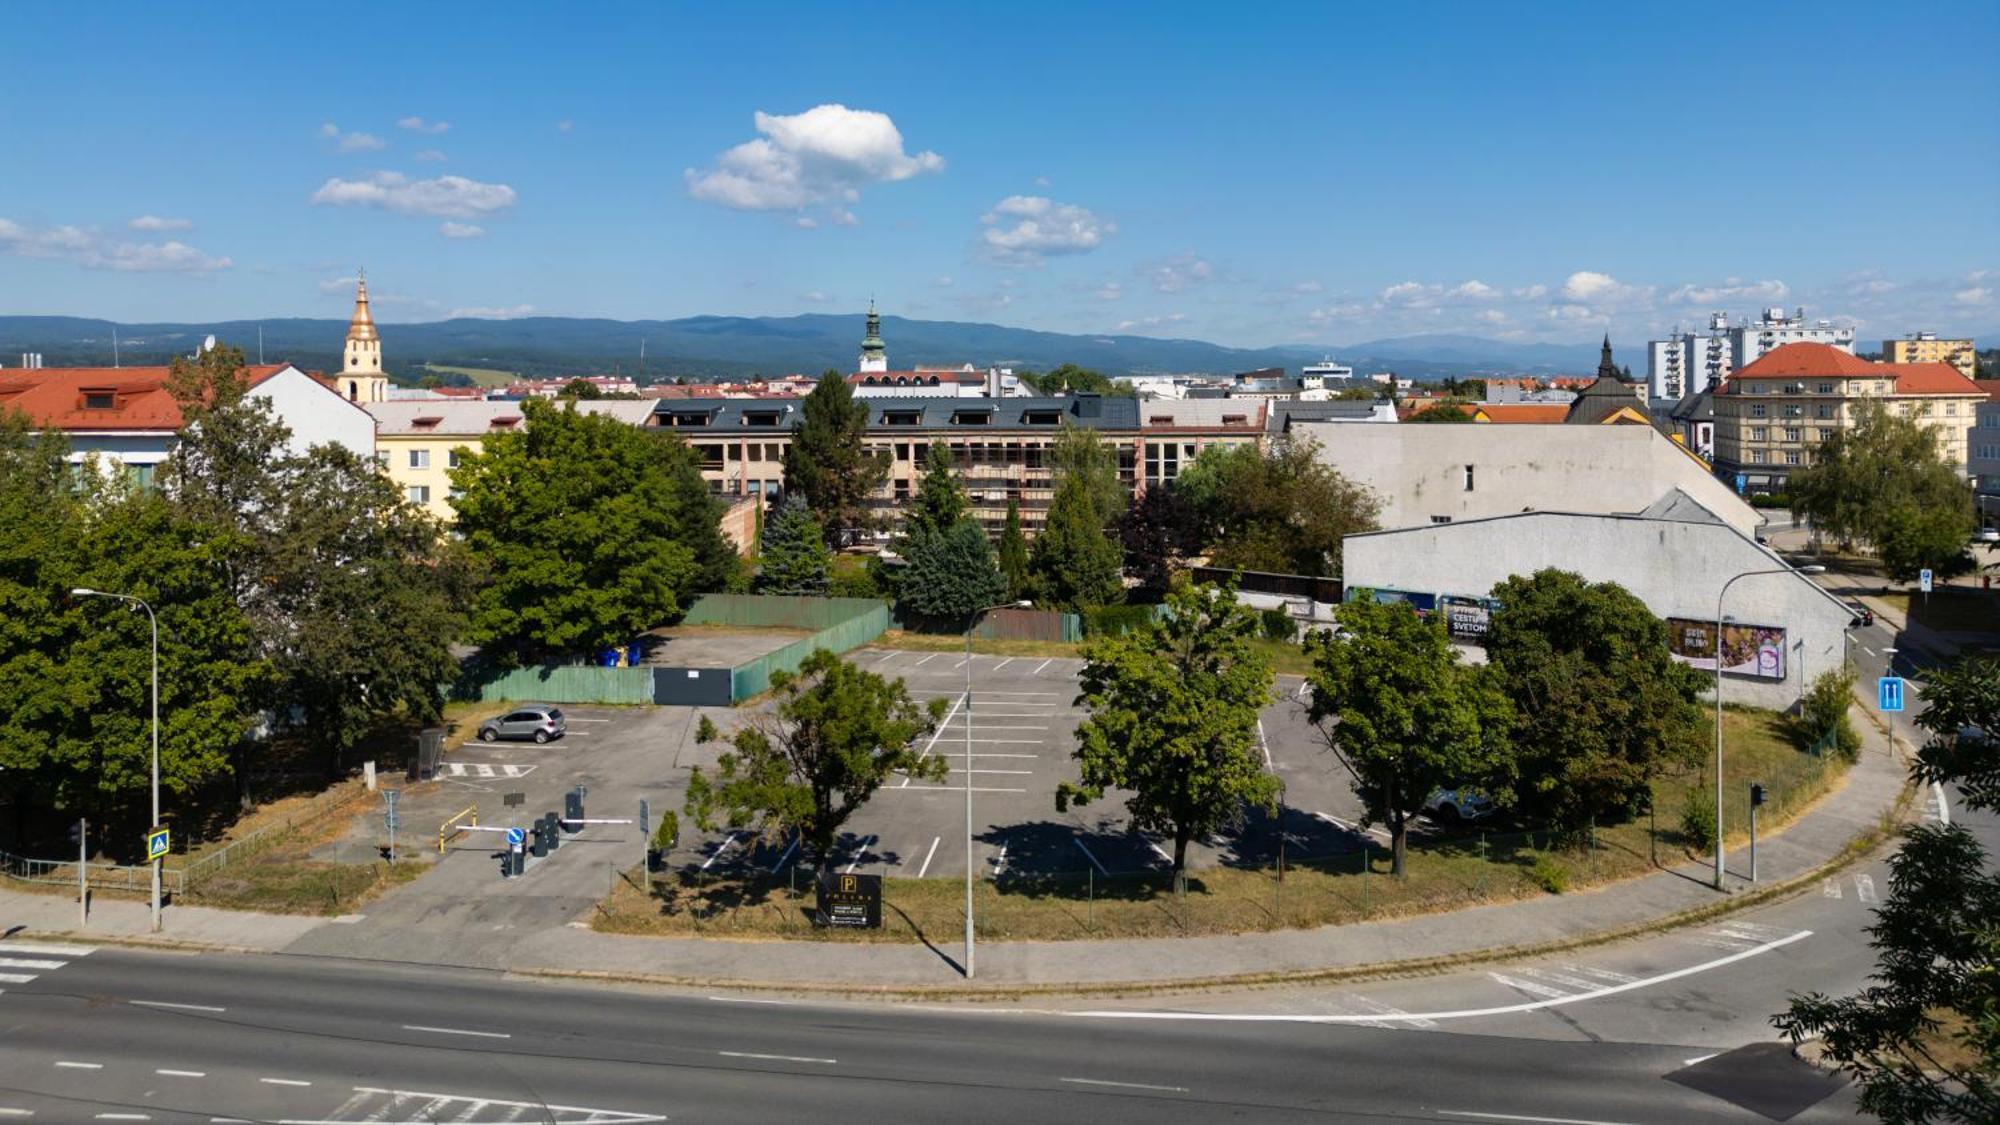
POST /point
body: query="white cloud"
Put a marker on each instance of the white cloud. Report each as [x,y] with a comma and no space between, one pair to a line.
[815,296]
[1492,316]
[91,250]
[943,282]
[510,312]
[444,197]
[1977,295]
[1043,182]
[1177,274]
[1151,322]
[419,125]
[1474,290]
[1588,285]
[565,125]
[430,156]
[1532,292]
[461,230]
[1350,310]
[1304,287]
[1732,290]
[1419,295]
[156,223]
[822,157]
[351,142]
[1024,229]
[1573,312]
[1110,291]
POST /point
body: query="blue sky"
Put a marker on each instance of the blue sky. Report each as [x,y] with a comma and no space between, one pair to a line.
[1250,174]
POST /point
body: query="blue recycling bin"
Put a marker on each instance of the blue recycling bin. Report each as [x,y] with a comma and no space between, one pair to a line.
[609,657]
[635,653]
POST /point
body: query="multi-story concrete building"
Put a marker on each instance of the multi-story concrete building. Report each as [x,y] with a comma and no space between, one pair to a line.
[1687,362]
[1929,347]
[1983,453]
[1772,414]
[1174,433]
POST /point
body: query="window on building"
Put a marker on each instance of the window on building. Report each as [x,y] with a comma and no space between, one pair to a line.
[1923,410]
[901,417]
[1823,410]
[418,493]
[1468,478]
[1756,457]
[1758,433]
[760,417]
[1756,410]
[1792,433]
[1822,435]
[1826,388]
[1791,456]
[971,417]
[140,475]
[454,459]
[735,451]
[99,400]
[756,451]
[420,458]
[1042,417]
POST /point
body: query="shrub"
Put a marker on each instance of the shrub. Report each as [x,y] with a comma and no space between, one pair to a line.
[1771,500]
[1115,620]
[1278,625]
[1823,721]
[669,832]
[855,576]
[1698,821]
[1549,873]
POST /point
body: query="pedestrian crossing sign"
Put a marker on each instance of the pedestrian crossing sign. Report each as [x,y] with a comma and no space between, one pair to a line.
[156,844]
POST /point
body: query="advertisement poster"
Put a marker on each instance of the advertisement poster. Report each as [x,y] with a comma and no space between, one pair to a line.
[1467,618]
[1747,650]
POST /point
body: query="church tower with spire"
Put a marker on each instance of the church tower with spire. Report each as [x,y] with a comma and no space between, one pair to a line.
[874,357]
[361,377]
[1605,368]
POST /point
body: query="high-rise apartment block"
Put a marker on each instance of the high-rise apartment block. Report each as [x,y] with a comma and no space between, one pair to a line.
[1929,347]
[1689,362]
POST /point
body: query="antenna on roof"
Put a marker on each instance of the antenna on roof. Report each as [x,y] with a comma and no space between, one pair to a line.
[114,345]
[260,345]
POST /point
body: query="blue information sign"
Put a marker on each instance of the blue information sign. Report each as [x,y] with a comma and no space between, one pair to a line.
[1924,579]
[515,837]
[156,843]
[1889,693]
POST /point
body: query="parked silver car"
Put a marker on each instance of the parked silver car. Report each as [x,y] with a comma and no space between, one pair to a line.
[534,721]
[1456,806]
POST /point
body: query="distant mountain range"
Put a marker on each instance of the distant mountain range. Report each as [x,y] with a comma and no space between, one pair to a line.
[708,347]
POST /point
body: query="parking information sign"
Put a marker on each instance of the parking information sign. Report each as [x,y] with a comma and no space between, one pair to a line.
[156,843]
[1924,579]
[1889,693]
[850,900]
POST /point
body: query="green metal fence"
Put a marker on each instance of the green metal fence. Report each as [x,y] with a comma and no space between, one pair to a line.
[568,683]
[865,620]
[767,611]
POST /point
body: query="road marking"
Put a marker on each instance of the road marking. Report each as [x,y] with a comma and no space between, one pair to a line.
[1022,773]
[1000,861]
[956,703]
[1944,806]
[728,842]
[1518,1117]
[1125,1085]
[17,978]
[961,661]
[1864,888]
[177,1007]
[23,963]
[1563,979]
[949,789]
[1462,1013]
[1004,663]
[928,855]
[860,855]
[749,1000]
[1532,988]
[1042,665]
[783,859]
[1159,851]
[928,659]
[1263,745]
[592,1116]
[80,1065]
[1699,1059]
[182,1073]
[284,1082]
[773,1058]
[995,742]
[10,1111]
[1301,693]
[12,946]
[1830,888]
[1345,826]
[990,753]
[1078,841]
[1602,974]
[123,1117]
[990,726]
[458,1031]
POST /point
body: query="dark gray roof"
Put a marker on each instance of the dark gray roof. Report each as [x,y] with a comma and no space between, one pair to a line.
[1285,412]
[1698,406]
[1604,397]
[929,412]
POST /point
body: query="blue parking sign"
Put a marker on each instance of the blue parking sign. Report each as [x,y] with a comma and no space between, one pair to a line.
[1889,693]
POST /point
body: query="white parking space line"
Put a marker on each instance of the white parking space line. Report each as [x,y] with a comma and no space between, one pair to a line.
[1263,745]
[773,1058]
[727,843]
[997,741]
[1125,1085]
[1088,854]
[1339,823]
[934,738]
[1518,1117]
[1159,851]
[182,1073]
[1000,861]
[458,1031]
[1022,773]
[1003,664]
[67,1065]
[947,789]
[1943,806]
[574,719]
[990,754]
[284,1082]
[1042,665]
[783,859]
[927,856]
[17,978]
[993,726]
[928,659]
[860,855]
[177,1007]
[10,1111]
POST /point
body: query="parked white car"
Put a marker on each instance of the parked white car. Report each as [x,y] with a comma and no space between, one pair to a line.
[1453,806]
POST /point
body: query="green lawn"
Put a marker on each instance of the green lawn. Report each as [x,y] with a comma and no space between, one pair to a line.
[483,376]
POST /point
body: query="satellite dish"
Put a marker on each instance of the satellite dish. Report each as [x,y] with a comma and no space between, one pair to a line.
[208,343]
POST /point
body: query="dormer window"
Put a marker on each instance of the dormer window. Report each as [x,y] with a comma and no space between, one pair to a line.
[901,417]
[760,417]
[100,400]
[1235,419]
[971,417]
[1042,417]
[427,422]
[505,421]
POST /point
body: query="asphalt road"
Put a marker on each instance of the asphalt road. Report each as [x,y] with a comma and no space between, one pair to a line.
[116,1035]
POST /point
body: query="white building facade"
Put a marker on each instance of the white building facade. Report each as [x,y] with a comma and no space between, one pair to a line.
[1687,362]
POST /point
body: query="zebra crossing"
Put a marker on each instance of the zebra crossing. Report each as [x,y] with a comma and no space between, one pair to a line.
[379,1105]
[485,770]
[24,961]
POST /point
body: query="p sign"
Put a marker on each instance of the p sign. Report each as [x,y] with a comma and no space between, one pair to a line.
[156,844]
[1924,579]
[1889,693]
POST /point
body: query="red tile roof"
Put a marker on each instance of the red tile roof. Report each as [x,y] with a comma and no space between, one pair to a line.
[1990,386]
[1523,412]
[62,398]
[1810,361]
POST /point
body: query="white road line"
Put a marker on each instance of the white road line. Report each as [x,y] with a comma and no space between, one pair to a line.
[990,726]
[727,843]
[1462,1013]
[12,946]
[956,704]
[1078,841]
[773,1058]
[122,1117]
[1518,1117]
[1864,888]
[10,1111]
[1159,851]
[284,1082]
[1339,823]
[17,978]
[989,753]
[1042,665]
[24,963]
[176,1007]
[999,741]
[1125,1085]
[949,789]
[1944,806]
[1866,649]
[1532,988]
[182,1073]
[749,1000]
[927,856]
[574,719]
[80,1065]
[928,659]
[1021,773]
[458,1031]
[1698,1059]
[361,1092]
[1262,744]
[1000,861]
[860,855]
[1003,664]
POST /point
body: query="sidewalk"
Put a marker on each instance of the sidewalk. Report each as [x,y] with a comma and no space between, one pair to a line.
[557,940]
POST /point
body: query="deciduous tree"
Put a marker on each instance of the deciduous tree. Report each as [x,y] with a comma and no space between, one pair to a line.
[1159,533]
[1173,719]
[828,461]
[1398,709]
[1281,510]
[1884,482]
[1924,1039]
[1014,552]
[837,733]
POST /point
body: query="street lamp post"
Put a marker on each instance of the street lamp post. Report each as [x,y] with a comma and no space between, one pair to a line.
[83,592]
[969,627]
[1811,569]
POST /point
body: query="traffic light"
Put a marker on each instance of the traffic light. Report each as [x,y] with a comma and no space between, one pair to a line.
[540,847]
[551,832]
[573,807]
[1756,795]
[517,860]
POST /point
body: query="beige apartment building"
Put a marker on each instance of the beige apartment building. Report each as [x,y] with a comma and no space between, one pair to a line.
[420,441]
[1772,414]
[1927,347]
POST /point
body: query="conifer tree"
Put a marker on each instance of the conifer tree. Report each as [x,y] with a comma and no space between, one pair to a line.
[794,558]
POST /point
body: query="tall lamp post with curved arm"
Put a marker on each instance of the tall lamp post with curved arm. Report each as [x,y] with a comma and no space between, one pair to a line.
[969,627]
[82,592]
[1811,569]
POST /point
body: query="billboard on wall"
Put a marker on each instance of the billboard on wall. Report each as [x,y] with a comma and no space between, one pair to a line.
[1747,650]
[1469,619]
